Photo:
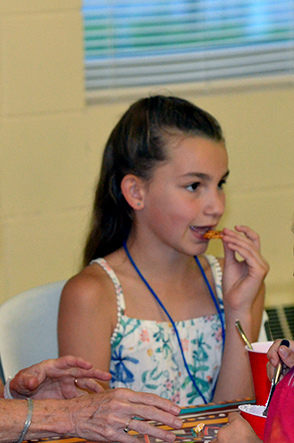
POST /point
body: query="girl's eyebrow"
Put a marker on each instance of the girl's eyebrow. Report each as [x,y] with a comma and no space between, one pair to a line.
[226,175]
[204,176]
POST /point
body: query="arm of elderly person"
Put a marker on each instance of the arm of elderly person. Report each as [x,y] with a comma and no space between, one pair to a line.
[97,417]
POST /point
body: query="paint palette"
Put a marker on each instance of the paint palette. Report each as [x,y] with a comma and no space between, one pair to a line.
[209,417]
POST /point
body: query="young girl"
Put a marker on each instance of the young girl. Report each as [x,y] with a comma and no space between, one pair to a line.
[149,306]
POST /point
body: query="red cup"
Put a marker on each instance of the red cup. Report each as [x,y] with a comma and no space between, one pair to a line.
[253,414]
[258,361]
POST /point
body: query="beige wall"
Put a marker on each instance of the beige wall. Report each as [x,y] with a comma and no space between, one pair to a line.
[51,144]
[43,166]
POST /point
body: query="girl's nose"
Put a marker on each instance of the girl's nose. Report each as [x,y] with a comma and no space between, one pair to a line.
[216,204]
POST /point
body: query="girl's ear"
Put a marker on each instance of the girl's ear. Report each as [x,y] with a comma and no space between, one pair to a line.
[132,188]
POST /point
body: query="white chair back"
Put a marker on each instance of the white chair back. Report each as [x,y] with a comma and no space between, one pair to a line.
[264,333]
[28,327]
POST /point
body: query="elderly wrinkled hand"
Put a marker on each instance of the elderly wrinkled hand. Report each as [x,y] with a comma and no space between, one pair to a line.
[110,415]
[61,378]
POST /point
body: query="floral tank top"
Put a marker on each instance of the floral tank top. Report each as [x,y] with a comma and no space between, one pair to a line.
[146,357]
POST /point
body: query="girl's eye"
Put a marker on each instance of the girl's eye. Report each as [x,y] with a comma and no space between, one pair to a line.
[222,183]
[193,186]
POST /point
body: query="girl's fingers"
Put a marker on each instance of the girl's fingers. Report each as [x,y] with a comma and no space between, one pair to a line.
[252,235]
[237,238]
[251,256]
[243,232]
[246,245]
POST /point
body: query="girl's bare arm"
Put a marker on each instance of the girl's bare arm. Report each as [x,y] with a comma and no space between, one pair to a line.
[243,292]
[85,319]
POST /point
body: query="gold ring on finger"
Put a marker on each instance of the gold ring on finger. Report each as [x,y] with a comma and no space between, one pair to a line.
[127,427]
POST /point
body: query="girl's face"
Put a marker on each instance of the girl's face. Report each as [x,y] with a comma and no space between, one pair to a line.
[185,197]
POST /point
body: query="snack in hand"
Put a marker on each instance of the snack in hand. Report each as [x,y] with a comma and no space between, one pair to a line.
[213,234]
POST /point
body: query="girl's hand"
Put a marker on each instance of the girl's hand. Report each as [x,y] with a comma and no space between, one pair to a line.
[242,280]
[243,295]
[57,378]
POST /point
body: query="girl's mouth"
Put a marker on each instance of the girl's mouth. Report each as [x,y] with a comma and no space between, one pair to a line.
[200,231]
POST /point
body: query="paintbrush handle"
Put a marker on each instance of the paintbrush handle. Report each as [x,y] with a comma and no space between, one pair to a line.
[243,335]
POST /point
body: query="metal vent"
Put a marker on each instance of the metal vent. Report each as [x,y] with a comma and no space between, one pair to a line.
[281,322]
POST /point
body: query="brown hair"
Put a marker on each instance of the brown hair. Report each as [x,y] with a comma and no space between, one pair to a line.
[135,146]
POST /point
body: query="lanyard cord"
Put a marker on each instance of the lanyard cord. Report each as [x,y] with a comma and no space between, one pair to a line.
[214,300]
[170,318]
[172,321]
[218,311]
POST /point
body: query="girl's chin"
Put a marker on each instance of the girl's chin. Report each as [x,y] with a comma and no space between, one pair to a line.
[198,249]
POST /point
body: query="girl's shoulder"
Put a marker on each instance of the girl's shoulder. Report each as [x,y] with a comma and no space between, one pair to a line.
[91,286]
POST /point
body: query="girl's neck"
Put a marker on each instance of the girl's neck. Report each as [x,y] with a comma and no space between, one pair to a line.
[157,258]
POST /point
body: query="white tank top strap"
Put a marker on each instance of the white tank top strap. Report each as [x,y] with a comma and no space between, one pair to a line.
[120,300]
[217,274]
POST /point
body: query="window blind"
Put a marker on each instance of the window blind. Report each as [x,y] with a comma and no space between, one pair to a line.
[146,42]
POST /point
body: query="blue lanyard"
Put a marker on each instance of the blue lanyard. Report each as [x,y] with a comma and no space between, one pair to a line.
[214,300]
[172,321]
